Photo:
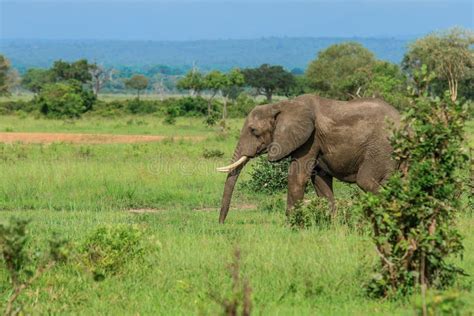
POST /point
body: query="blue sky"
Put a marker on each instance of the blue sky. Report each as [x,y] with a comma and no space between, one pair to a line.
[197,19]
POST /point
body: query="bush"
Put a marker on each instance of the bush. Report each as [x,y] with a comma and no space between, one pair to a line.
[268,177]
[108,249]
[212,119]
[64,100]
[212,153]
[272,204]
[109,109]
[137,106]
[242,106]
[317,213]
[171,114]
[191,106]
[10,107]
[414,215]
[19,260]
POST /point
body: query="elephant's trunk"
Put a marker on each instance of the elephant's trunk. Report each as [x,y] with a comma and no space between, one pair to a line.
[230,184]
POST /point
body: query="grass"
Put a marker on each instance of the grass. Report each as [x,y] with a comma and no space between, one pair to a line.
[141,125]
[74,189]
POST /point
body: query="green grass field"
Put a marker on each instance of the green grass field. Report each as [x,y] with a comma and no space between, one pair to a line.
[74,189]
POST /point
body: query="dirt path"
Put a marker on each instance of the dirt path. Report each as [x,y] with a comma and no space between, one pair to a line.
[47,138]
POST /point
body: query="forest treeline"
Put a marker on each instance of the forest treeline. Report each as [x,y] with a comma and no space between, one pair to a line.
[438,62]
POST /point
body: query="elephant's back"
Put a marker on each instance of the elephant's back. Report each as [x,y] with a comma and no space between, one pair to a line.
[373,108]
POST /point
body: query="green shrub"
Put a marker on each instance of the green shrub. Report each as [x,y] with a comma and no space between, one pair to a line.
[137,106]
[109,248]
[317,213]
[272,204]
[242,106]
[64,100]
[191,106]
[212,153]
[10,107]
[110,109]
[414,215]
[268,177]
[23,265]
[171,114]
[212,119]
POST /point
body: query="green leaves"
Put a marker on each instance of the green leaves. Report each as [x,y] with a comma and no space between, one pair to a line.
[413,217]
[63,100]
[23,265]
[340,70]
[109,248]
[267,177]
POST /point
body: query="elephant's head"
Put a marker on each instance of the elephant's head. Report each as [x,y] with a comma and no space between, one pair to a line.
[278,129]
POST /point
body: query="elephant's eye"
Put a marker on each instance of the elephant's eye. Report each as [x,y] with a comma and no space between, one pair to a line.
[254,131]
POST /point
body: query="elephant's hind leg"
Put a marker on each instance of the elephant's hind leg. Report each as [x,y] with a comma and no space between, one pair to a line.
[371,175]
[322,183]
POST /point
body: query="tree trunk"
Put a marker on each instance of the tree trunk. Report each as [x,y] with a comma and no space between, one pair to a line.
[209,105]
[269,94]
[224,109]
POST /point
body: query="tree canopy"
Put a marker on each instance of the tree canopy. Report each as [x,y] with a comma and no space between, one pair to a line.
[138,83]
[266,79]
[448,57]
[35,78]
[5,69]
[78,70]
[341,71]
[193,80]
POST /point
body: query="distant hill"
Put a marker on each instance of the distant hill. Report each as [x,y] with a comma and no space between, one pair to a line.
[206,54]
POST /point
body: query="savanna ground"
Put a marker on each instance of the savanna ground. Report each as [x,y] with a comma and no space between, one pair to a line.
[171,193]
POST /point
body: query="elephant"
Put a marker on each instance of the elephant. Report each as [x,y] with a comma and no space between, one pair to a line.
[326,139]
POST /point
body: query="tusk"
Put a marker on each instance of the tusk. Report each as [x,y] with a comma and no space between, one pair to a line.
[231,167]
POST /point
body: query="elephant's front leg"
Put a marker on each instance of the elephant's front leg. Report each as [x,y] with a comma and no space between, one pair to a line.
[298,175]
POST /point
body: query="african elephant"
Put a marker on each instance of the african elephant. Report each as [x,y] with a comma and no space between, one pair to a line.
[326,139]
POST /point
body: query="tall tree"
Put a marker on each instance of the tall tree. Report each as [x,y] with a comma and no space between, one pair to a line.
[388,82]
[138,83]
[448,55]
[5,69]
[99,76]
[192,81]
[266,79]
[341,70]
[234,80]
[214,81]
[78,70]
[35,78]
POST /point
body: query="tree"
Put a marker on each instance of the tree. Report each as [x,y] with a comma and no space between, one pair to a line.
[387,82]
[447,55]
[266,79]
[5,69]
[78,70]
[193,81]
[214,81]
[99,76]
[234,81]
[341,71]
[137,82]
[34,79]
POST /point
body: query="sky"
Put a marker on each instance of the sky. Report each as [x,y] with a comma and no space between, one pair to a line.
[200,20]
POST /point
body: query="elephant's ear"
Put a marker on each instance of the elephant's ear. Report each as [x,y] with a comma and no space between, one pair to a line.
[294,124]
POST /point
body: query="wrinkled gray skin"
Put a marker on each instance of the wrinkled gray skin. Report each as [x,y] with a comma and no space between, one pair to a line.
[325,138]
